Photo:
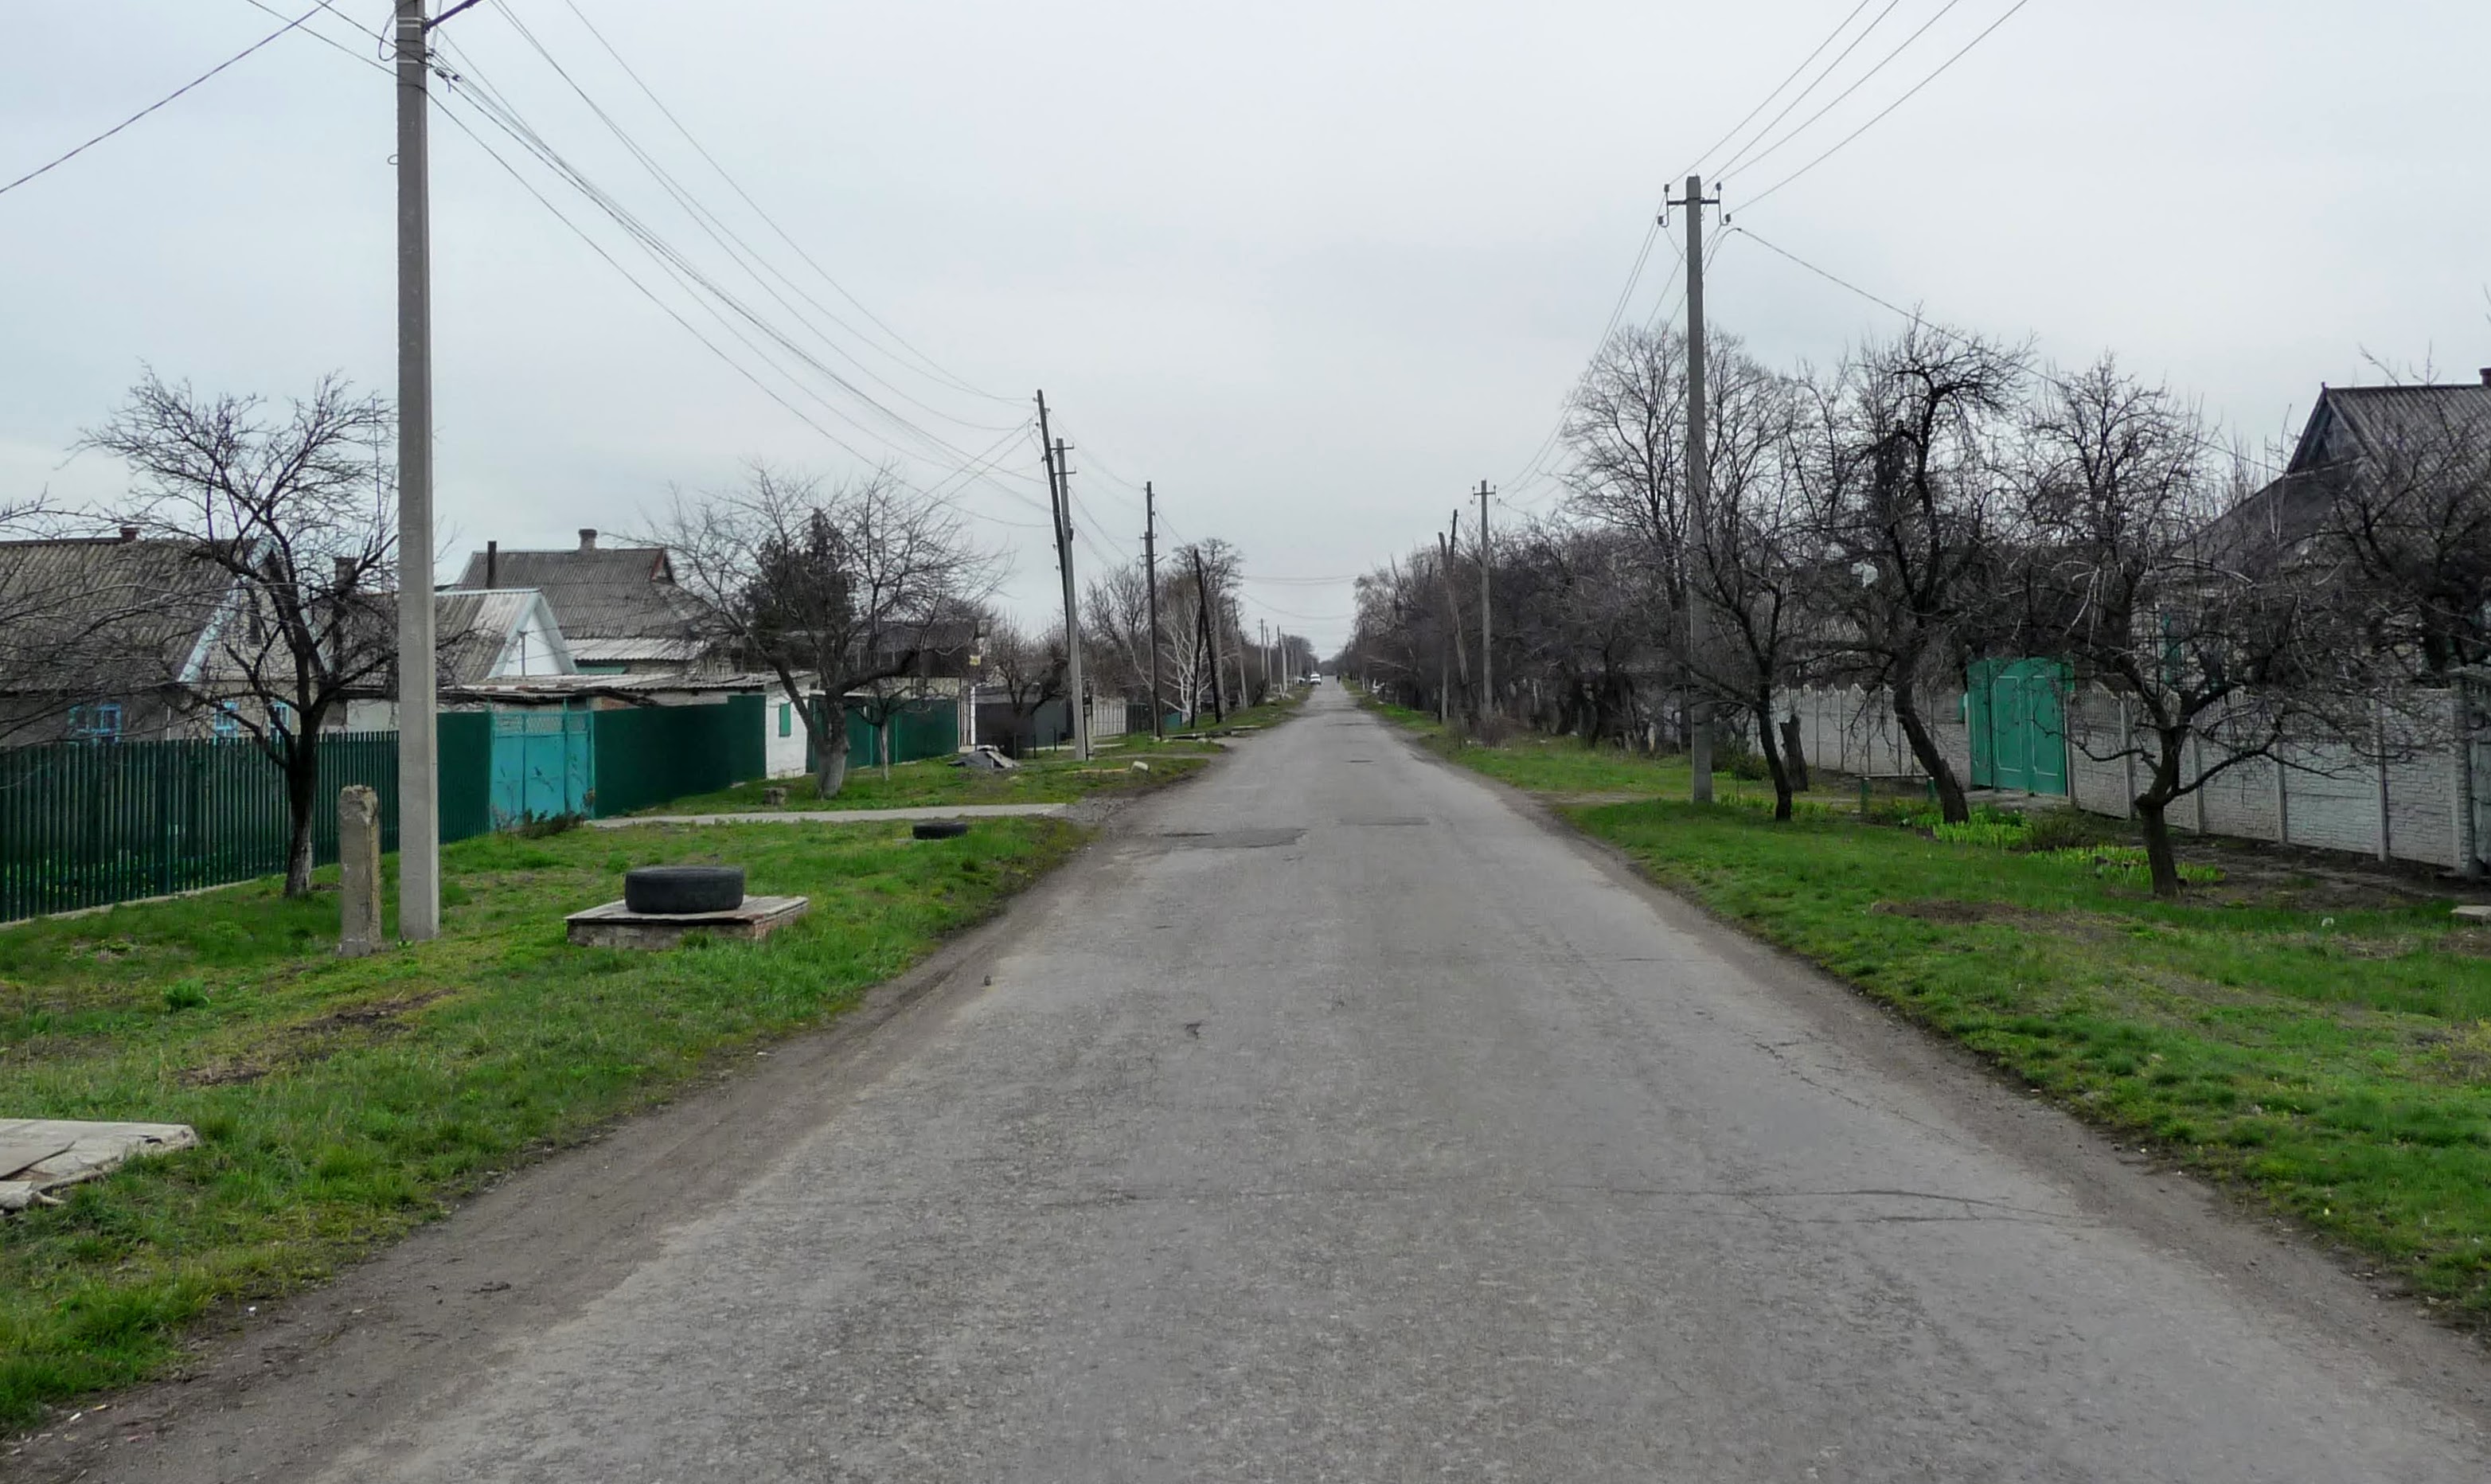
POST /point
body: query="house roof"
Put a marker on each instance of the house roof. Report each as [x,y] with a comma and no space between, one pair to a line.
[2349,424]
[600,593]
[475,631]
[96,614]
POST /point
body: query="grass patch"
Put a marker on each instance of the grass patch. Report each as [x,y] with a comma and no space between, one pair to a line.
[341,1103]
[933,783]
[2334,1061]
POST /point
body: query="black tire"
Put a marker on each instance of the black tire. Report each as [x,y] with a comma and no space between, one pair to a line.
[938,829]
[683,888]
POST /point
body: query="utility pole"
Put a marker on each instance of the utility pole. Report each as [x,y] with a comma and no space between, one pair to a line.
[1488,652]
[1263,642]
[1699,498]
[1445,550]
[1151,578]
[1059,494]
[419,828]
[1210,630]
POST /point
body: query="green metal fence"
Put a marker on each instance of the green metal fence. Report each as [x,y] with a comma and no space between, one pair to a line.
[88,824]
[929,727]
[645,757]
[84,824]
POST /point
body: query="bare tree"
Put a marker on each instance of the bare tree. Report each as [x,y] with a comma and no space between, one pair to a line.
[1029,670]
[2211,662]
[1116,631]
[836,587]
[300,512]
[1908,504]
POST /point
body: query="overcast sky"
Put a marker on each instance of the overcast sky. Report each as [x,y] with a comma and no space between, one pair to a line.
[1315,269]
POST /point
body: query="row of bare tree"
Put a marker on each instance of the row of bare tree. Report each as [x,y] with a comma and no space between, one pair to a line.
[1935,499]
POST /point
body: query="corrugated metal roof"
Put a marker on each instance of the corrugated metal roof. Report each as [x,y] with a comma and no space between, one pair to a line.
[600,592]
[88,615]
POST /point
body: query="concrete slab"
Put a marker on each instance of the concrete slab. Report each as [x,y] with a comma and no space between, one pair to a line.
[615,926]
[842,816]
[39,1155]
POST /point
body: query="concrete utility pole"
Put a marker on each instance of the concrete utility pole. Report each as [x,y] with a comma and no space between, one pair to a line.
[1263,642]
[1445,550]
[1209,628]
[1487,650]
[1151,579]
[1059,493]
[419,828]
[1699,495]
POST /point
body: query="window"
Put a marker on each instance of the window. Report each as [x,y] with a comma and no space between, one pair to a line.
[228,721]
[98,722]
[786,719]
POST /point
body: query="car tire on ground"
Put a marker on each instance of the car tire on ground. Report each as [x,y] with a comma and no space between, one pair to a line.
[939,829]
[684,889]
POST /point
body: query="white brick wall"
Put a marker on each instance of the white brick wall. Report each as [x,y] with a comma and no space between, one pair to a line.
[2329,796]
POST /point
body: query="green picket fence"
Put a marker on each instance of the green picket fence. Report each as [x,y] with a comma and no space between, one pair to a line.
[86,824]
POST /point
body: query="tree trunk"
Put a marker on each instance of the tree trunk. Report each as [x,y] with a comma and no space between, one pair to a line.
[2161,863]
[883,739]
[1951,804]
[831,753]
[1793,754]
[302,797]
[2153,812]
[1775,763]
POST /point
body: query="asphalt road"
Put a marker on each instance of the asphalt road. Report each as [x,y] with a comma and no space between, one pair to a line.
[1338,1120]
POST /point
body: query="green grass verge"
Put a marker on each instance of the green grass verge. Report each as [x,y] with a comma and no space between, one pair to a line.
[934,782]
[341,1103]
[2321,1042]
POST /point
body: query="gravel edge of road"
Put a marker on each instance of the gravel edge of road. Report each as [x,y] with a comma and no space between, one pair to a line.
[532,1245]
[2272,1261]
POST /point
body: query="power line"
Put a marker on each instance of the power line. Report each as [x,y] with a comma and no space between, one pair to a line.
[1923,321]
[1814,83]
[741,251]
[57,160]
[1761,102]
[928,361]
[1890,108]
[1879,65]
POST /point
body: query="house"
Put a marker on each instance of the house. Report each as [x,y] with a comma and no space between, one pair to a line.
[102,638]
[482,638]
[618,607]
[2352,433]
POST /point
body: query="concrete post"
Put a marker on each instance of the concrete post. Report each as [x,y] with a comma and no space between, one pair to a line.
[358,870]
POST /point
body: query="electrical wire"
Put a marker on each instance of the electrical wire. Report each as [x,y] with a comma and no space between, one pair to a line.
[58,160]
[1732,132]
[728,240]
[1890,107]
[932,366]
[1924,322]
[1743,156]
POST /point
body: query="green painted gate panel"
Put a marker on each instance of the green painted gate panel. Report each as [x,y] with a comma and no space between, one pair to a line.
[2015,714]
[645,756]
[544,764]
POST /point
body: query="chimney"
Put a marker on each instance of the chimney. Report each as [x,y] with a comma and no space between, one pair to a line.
[345,570]
[131,533]
[492,562]
[2486,376]
[588,537]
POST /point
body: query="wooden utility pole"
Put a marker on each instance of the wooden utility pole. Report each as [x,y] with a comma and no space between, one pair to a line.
[1699,499]
[1487,650]
[1151,579]
[1059,493]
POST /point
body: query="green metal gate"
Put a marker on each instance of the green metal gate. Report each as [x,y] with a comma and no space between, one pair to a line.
[544,764]
[2015,710]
